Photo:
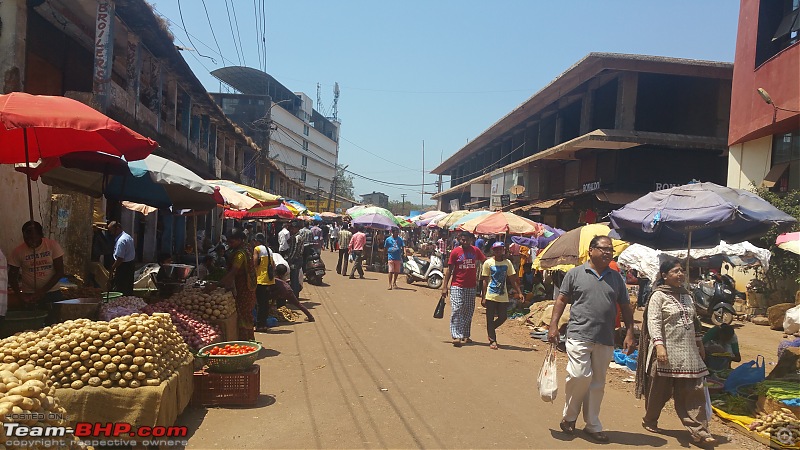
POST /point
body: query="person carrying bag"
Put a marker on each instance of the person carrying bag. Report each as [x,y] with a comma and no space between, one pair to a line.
[548,377]
[439,312]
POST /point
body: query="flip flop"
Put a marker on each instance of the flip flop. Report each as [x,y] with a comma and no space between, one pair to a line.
[597,437]
[567,426]
[493,345]
[650,426]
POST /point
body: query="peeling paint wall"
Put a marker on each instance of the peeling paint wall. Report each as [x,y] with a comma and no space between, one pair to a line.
[15,207]
[71,225]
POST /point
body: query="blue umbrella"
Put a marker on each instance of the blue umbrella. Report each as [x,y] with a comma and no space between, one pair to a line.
[468,217]
[700,214]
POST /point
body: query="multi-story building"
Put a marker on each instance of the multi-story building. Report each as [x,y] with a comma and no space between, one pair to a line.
[376,198]
[608,130]
[120,58]
[302,142]
[764,137]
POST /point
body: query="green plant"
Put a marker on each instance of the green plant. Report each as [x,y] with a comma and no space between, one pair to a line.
[783,265]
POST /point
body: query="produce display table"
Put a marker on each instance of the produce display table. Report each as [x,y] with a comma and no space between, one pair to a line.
[143,406]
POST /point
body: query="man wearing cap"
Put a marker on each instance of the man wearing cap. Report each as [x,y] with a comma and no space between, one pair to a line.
[394,246]
[499,271]
[124,254]
[38,263]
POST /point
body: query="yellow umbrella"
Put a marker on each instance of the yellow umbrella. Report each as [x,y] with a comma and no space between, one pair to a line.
[572,248]
[258,194]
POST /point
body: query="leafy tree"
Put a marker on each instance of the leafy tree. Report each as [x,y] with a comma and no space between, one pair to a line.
[399,209]
[783,265]
[344,183]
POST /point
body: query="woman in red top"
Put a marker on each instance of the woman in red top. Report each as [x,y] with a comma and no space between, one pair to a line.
[463,269]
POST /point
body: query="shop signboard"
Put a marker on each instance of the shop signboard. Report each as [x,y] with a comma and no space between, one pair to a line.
[454,206]
[592,186]
[505,200]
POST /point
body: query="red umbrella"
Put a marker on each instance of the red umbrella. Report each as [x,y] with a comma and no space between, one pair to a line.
[34,127]
[281,212]
[39,127]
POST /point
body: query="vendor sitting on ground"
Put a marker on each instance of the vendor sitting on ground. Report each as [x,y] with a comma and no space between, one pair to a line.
[283,294]
[722,339]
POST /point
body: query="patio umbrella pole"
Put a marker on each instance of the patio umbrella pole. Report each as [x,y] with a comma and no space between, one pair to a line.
[688,258]
[196,251]
[28,167]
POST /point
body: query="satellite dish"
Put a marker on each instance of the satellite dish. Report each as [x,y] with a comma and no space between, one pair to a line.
[516,189]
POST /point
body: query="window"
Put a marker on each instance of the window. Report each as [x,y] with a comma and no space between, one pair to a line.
[305,130]
[785,172]
[305,161]
[305,145]
[778,27]
[303,176]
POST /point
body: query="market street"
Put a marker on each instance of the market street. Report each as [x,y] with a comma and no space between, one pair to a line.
[376,370]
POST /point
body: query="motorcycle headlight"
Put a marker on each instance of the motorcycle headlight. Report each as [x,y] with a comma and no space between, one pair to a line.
[727,291]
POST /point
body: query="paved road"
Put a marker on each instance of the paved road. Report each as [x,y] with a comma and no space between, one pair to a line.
[377,371]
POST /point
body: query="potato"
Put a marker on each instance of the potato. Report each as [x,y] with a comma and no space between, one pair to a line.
[76,384]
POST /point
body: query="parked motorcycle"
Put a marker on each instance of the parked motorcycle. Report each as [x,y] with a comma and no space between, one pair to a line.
[714,298]
[429,271]
[313,267]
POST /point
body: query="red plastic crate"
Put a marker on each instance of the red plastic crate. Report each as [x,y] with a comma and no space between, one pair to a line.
[216,389]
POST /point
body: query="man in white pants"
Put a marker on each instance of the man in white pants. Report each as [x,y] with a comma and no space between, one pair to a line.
[594,290]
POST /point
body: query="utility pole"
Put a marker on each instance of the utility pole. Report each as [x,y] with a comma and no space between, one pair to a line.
[261,173]
[422,188]
[403,205]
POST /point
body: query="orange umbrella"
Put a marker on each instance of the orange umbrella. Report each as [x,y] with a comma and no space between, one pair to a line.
[502,223]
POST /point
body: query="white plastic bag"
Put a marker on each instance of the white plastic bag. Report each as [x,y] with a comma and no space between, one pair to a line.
[548,378]
[791,323]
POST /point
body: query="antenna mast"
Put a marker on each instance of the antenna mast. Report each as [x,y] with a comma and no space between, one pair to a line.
[319,98]
[336,101]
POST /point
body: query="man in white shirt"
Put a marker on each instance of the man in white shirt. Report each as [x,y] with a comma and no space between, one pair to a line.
[124,255]
[283,240]
[334,236]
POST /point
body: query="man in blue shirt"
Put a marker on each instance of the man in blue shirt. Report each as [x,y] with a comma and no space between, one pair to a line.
[124,255]
[394,250]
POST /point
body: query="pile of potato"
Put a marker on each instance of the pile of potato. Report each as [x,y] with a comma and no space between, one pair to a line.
[218,304]
[129,351]
[777,421]
[28,393]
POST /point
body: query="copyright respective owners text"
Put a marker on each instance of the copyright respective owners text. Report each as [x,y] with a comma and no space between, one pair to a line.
[28,431]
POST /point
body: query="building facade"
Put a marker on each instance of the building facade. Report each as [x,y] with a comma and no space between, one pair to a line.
[118,57]
[302,142]
[376,198]
[611,128]
[764,137]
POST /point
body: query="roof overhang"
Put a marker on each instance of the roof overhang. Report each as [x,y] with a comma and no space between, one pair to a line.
[601,139]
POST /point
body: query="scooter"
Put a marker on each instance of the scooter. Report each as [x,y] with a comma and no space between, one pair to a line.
[428,271]
[313,267]
[714,299]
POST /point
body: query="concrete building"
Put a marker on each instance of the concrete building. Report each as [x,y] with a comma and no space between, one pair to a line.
[118,57]
[764,138]
[611,128]
[375,198]
[302,142]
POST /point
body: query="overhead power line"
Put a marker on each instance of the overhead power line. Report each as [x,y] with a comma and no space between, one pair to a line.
[212,27]
[238,31]
[180,12]
[233,33]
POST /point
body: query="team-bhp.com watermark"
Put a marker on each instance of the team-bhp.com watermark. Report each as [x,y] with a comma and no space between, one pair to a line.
[95,434]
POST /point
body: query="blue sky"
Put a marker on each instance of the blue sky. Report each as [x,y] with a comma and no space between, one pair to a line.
[438,71]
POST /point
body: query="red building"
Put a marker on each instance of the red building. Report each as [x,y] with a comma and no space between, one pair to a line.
[764,132]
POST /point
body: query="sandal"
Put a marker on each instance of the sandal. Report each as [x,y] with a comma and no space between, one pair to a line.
[456,342]
[567,426]
[702,441]
[651,426]
[467,341]
[493,345]
[598,437]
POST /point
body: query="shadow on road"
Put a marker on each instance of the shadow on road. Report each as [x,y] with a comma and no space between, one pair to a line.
[616,438]
[486,344]
[267,353]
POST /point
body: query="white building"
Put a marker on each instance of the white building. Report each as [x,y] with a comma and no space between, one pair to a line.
[303,143]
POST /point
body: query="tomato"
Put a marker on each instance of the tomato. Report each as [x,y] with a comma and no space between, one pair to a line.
[232,350]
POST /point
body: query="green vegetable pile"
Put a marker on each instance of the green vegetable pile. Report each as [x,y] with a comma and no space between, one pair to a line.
[733,404]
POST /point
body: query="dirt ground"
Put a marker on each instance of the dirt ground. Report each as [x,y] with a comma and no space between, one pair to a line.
[377,371]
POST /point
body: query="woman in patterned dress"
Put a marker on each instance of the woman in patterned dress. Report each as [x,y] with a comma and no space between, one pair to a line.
[670,361]
[241,279]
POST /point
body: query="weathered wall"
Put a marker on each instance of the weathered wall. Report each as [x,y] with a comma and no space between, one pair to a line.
[71,225]
[15,207]
[749,162]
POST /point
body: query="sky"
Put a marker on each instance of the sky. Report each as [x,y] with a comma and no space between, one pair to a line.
[432,73]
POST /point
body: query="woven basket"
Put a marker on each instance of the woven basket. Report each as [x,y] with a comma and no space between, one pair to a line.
[229,364]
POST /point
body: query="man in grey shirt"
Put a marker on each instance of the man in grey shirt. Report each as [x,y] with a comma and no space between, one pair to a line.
[594,290]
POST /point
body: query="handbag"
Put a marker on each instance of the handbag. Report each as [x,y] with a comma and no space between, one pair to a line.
[548,378]
[439,312]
